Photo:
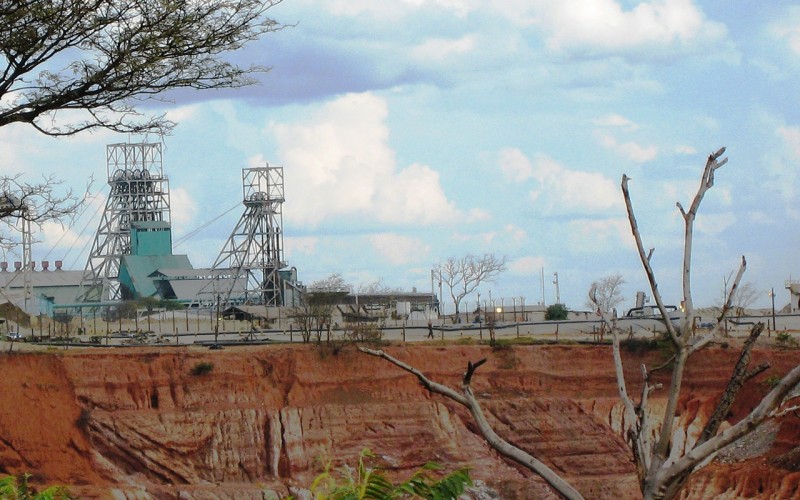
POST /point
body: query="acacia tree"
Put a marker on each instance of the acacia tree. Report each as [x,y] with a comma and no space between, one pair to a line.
[463,275]
[73,65]
[99,57]
[660,475]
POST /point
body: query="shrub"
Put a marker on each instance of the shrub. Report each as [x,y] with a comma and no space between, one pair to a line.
[202,368]
[772,381]
[367,482]
[785,341]
[20,488]
[556,312]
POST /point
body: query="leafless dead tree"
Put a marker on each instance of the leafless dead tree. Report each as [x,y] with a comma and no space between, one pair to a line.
[38,202]
[661,474]
[462,276]
[467,398]
[608,291]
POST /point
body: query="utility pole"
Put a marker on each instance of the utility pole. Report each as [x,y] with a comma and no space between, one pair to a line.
[558,293]
[772,295]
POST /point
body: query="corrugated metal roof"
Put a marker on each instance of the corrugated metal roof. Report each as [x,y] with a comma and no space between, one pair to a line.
[139,268]
[187,288]
[42,278]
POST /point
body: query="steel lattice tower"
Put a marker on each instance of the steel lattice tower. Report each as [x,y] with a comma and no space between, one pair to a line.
[139,192]
[254,250]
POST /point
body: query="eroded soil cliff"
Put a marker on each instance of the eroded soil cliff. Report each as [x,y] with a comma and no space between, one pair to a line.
[138,423]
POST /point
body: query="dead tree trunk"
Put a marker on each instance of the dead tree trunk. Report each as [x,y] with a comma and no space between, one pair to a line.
[659,475]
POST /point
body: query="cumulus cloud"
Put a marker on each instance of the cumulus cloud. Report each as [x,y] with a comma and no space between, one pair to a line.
[783,178]
[182,207]
[527,265]
[387,10]
[514,165]
[787,30]
[562,190]
[338,163]
[791,137]
[603,26]
[598,236]
[440,49]
[398,249]
[685,150]
[294,245]
[516,233]
[630,150]
[714,224]
[60,238]
[617,121]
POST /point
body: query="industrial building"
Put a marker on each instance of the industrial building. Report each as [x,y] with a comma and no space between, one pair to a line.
[132,251]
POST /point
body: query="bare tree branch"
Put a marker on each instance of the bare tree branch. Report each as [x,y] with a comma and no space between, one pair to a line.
[463,276]
[471,403]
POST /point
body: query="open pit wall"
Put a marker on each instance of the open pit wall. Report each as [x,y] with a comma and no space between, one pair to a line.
[136,423]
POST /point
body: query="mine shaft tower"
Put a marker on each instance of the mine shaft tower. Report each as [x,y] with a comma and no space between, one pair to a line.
[254,250]
[139,193]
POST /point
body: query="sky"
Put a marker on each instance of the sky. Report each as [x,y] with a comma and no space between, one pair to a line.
[411,131]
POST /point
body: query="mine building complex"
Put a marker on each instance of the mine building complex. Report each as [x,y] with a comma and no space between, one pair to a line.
[132,256]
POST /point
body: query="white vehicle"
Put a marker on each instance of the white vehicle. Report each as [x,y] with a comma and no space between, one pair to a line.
[652,312]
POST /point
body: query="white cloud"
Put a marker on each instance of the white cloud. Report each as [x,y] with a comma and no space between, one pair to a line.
[617,121]
[563,190]
[440,49]
[57,238]
[599,235]
[338,163]
[527,265]
[787,30]
[714,224]
[182,113]
[783,175]
[478,215]
[685,150]
[629,150]
[514,164]
[516,233]
[294,245]
[605,26]
[791,137]
[396,8]
[182,207]
[398,249]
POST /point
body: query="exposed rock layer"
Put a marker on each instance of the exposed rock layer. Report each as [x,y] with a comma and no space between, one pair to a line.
[137,422]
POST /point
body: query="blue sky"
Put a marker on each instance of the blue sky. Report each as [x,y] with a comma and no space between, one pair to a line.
[415,130]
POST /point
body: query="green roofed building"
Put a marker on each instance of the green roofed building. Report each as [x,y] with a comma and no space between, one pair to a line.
[151,250]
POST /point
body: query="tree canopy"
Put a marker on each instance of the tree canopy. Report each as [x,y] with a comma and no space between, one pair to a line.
[96,58]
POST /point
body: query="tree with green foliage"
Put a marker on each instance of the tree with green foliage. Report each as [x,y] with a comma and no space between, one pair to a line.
[556,312]
[95,59]
[365,482]
[72,66]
